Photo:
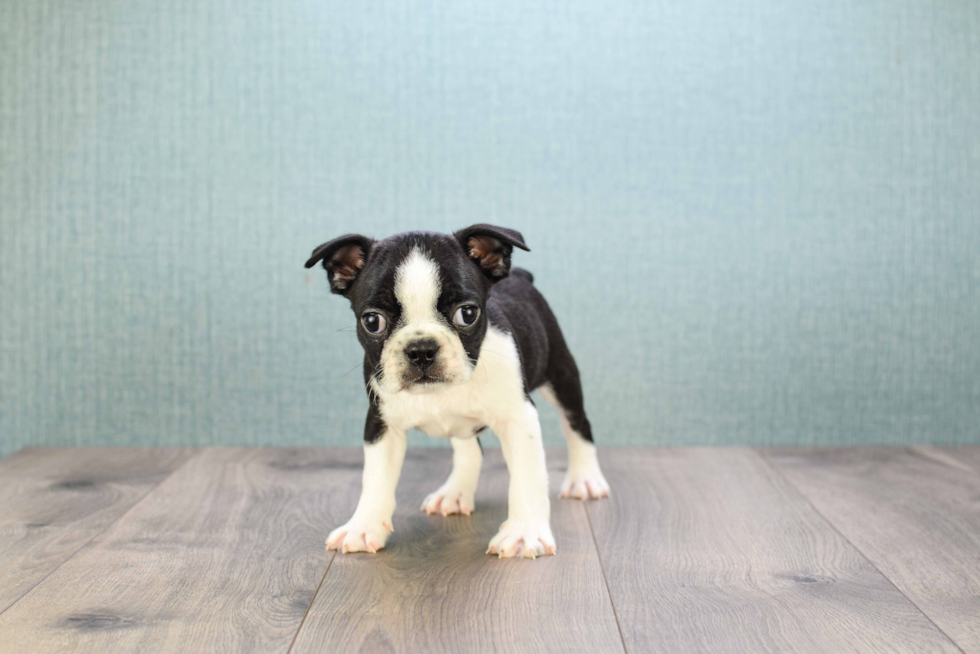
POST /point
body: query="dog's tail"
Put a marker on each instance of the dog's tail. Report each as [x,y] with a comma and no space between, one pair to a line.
[523,274]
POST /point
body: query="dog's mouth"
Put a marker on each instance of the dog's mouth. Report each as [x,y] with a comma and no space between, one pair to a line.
[422,380]
[427,379]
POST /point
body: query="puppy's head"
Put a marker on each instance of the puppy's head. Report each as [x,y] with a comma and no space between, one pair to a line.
[420,300]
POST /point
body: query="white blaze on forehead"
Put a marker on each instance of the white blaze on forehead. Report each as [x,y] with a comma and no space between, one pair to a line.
[417,288]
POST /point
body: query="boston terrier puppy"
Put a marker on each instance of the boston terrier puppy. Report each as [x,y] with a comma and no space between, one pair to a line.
[454,342]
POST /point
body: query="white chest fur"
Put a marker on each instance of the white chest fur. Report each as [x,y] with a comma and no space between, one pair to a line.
[494,390]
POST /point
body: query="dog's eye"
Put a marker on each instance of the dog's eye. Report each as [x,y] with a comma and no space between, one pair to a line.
[374,323]
[466,315]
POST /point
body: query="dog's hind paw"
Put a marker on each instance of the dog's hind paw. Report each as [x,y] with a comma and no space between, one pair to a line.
[523,539]
[583,487]
[448,500]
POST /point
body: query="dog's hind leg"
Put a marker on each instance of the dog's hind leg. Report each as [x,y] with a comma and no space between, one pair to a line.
[584,478]
[456,495]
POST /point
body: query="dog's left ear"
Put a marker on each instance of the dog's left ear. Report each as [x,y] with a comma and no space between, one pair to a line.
[490,247]
[343,259]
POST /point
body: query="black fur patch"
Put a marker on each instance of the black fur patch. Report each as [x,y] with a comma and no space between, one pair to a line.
[374,425]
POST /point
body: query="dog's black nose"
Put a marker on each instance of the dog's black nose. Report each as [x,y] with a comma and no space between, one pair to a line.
[422,353]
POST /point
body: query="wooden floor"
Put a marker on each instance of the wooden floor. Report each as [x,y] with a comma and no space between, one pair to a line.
[727,549]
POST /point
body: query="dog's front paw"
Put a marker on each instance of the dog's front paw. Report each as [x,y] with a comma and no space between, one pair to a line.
[449,499]
[584,486]
[527,539]
[360,536]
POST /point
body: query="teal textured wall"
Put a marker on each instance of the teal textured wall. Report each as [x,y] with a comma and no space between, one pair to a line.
[758,221]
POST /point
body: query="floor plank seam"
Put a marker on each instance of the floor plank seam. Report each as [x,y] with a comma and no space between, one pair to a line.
[605,580]
[765,458]
[310,606]
[103,530]
[942,457]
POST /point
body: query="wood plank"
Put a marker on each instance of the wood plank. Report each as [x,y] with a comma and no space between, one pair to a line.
[53,501]
[708,549]
[225,555]
[914,512]
[433,589]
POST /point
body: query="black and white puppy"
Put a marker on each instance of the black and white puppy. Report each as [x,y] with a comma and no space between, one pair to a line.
[454,341]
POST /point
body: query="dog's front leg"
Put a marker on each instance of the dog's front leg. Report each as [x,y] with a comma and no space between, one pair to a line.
[527,531]
[368,528]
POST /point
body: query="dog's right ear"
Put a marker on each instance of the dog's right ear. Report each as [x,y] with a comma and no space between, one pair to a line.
[343,259]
